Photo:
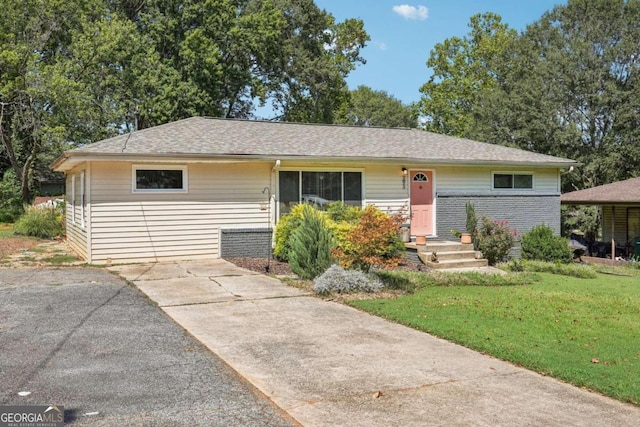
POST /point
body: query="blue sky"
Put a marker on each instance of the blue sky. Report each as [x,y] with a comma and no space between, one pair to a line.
[402,35]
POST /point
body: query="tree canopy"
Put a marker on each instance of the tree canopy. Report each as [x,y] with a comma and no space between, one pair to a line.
[368,107]
[77,72]
[566,86]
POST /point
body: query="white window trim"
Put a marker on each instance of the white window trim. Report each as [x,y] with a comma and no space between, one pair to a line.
[185,178]
[82,200]
[73,198]
[512,189]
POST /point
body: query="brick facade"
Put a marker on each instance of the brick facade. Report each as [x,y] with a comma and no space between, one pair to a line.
[522,211]
[247,242]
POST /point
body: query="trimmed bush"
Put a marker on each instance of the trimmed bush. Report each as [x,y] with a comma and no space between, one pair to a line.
[374,241]
[41,222]
[494,240]
[311,244]
[338,280]
[540,244]
[340,212]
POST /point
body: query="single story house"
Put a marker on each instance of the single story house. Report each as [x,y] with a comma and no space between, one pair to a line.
[208,187]
[619,204]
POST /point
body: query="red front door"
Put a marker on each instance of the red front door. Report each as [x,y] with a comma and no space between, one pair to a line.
[421,203]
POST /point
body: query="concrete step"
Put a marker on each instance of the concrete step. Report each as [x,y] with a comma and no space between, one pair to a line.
[450,255]
[465,263]
[440,246]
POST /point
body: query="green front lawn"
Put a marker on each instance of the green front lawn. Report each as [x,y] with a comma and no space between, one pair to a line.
[583,331]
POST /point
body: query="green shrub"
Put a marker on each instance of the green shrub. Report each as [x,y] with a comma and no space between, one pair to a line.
[11,205]
[540,244]
[286,225]
[374,241]
[42,222]
[341,212]
[494,240]
[311,245]
[472,223]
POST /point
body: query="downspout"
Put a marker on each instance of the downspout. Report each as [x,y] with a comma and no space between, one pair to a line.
[276,166]
[271,208]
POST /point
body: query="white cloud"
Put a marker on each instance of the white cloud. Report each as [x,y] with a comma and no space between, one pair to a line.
[381,45]
[417,13]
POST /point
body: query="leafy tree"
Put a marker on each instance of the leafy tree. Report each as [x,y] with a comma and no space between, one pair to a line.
[570,88]
[464,70]
[368,107]
[34,35]
[567,86]
[72,73]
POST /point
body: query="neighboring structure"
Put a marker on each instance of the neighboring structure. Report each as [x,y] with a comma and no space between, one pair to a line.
[206,187]
[620,211]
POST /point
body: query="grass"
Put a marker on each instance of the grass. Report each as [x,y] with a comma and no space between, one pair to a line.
[6,230]
[583,331]
[59,259]
[583,271]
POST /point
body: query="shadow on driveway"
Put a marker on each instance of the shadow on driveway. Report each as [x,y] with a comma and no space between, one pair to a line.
[84,339]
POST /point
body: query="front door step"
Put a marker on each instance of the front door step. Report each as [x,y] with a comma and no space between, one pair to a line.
[441,255]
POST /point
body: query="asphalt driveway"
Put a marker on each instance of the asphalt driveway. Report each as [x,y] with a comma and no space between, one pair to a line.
[85,339]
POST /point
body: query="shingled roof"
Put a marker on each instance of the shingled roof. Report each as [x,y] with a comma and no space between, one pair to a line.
[620,192]
[224,138]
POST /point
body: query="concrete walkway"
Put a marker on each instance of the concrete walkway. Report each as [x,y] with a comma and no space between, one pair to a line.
[327,364]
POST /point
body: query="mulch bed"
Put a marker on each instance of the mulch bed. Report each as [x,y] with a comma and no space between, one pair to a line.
[280,268]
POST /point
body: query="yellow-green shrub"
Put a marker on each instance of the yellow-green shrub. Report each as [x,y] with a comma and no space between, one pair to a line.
[286,225]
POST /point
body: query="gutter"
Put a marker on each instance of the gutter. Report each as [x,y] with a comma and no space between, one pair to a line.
[274,157]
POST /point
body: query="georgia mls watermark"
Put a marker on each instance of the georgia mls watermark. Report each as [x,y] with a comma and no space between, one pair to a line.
[31,416]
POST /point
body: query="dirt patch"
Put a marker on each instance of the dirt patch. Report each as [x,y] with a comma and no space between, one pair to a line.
[259,265]
[12,245]
[29,252]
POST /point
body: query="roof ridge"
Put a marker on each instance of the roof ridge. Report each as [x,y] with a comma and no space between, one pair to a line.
[281,122]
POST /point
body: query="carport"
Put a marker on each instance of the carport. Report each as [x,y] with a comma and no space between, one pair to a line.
[619,204]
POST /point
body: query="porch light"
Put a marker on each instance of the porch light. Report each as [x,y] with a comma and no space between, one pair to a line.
[404,171]
[404,178]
